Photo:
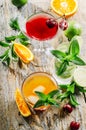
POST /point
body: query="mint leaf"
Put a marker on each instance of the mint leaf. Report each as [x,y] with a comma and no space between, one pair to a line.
[53,102]
[11,38]
[64,96]
[58,54]
[71,88]
[14,24]
[78,61]
[39,103]
[22,36]
[8,61]
[53,93]
[63,86]
[25,43]
[62,67]
[41,95]
[73,100]
[4,54]
[74,48]
[4,44]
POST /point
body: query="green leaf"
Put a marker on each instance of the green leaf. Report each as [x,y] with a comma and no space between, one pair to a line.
[14,24]
[41,95]
[78,61]
[73,100]
[25,43]
[62,67]
[81,89]
[53,93]
[4,44]
[8,61]
[5,58]
[58,54]
[23,36]
[5,53]
[13,53]
[64,96]
[71,88]
[53,102]
[11,38]
[63,86]
[74,47]
[39,103]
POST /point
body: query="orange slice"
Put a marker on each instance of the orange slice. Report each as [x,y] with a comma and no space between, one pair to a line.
[64,7]
[23,53]
[22,106]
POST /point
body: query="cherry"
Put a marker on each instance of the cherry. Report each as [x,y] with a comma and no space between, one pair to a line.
[74,125]
[51,22]
[63,24]
[67,108]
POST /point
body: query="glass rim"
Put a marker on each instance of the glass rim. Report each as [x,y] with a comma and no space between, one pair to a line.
[39,72]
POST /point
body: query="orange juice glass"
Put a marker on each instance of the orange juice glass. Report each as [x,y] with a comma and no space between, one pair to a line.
[38,81]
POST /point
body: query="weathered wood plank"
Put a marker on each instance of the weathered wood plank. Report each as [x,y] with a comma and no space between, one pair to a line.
[9,116]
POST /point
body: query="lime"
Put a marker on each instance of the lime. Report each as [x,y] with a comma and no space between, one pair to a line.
[69,71]
[19,3]
[80,76]
[73,29]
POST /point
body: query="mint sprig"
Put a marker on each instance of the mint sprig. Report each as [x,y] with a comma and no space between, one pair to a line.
[46,99]
[8,42]
[70,92]
[14,24]
[71,56]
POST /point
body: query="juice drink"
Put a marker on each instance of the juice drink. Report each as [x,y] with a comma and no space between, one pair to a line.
[38,81]
[37,28]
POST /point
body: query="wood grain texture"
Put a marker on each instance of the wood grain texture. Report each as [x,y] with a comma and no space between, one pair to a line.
[10,119]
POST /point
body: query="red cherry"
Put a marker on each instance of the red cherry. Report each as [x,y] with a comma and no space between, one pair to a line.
[51,22]
[67,108]
[63,24]
[74,125]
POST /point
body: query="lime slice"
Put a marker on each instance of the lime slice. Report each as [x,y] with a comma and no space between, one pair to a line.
[19,3]
[73,29]
[69,71]
[80,76]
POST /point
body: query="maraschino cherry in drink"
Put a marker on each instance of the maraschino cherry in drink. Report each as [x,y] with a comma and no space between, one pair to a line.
[41,26]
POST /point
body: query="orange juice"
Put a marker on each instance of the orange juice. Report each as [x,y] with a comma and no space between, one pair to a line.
[39,81]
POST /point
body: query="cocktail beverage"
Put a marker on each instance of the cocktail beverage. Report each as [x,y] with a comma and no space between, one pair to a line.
[37,28]
[38,81]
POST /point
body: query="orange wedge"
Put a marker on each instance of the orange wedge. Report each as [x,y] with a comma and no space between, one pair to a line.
[23,53]
[64,7]
[22,106]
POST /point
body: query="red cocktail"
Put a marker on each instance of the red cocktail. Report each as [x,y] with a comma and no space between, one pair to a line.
[37,28]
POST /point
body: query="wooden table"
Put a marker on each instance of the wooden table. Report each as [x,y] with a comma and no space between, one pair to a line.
[10,119]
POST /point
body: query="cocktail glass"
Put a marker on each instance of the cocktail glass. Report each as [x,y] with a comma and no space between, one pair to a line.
[39,31]
[38,81]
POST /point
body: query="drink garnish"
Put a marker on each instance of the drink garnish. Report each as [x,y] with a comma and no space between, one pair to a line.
[51,22]
[71,56]
[8,43]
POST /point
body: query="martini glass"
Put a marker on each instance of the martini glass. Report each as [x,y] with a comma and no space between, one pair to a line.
[41,27]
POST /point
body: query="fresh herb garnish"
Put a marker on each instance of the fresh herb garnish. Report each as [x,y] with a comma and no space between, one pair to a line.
[8,42]
[72,56]
[70,92]
[55,97]
[14,24]
[47,99]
